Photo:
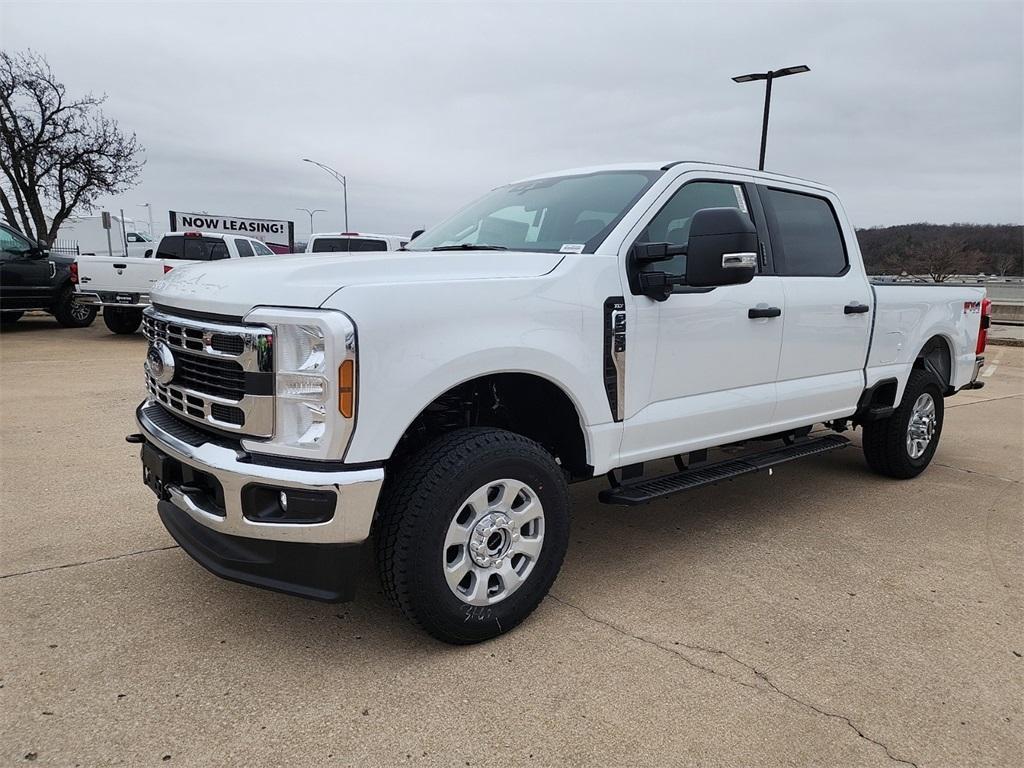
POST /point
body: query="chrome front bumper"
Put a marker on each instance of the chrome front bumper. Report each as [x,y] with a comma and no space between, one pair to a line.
[355,491]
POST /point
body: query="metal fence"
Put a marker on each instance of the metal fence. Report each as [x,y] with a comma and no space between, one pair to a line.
[65,247]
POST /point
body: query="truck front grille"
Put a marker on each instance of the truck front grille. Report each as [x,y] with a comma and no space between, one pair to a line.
[223,373]
[222,378]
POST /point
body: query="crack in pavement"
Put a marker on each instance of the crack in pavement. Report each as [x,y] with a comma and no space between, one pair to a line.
[987,400]
[88,562]
[975,472]
[768,687]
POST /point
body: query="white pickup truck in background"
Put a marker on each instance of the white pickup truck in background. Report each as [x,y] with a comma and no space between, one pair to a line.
[88,235]
[354,242]
[121,285]
[563,328]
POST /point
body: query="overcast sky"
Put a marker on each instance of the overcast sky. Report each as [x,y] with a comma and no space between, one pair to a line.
[913,111]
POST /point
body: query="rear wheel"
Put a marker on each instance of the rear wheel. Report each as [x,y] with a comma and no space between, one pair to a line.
[10,318]
[472,534]
[123,320]
[903,445]
[70,313]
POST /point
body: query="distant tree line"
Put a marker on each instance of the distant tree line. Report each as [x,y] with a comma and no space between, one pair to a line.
[939,251]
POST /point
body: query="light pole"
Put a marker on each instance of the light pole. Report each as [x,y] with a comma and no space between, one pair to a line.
[338,177]
[315,210]
[768,77]
[149,208]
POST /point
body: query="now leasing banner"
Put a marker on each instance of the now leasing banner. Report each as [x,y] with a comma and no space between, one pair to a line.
[278,235]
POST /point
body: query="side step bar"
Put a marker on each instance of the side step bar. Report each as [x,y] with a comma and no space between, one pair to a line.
[643,491]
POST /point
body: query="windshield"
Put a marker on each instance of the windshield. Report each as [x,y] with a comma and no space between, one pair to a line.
[560,214]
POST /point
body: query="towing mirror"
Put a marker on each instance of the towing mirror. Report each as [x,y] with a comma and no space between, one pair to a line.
[722,249]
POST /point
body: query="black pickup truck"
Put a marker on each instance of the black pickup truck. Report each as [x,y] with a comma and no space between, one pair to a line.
[33,278]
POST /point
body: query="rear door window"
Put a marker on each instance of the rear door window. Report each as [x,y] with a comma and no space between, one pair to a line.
[805,235]
[261,249]
[244,249]
[347,244]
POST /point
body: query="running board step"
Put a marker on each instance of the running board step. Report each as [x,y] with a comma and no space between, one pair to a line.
[643,491]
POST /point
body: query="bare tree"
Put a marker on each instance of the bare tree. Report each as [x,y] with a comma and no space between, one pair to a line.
[1005,262]
[56,152]
[939,259]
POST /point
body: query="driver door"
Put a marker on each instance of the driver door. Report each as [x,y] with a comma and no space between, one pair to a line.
[700,370]
[25,273]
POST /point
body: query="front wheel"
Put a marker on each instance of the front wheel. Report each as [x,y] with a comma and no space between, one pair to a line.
[903,445]
[124,320]
[472,533]
[70,313]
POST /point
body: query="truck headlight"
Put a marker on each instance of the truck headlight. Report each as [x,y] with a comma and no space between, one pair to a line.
[314,381]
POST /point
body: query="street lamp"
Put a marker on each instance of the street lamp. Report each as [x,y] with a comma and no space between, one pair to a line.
[149,208]
[338,177]
[768,77]
[315,210]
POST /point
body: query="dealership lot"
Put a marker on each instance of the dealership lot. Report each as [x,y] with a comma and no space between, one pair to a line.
[822,615]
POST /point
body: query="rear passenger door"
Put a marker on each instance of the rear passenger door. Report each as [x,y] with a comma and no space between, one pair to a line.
[827,322]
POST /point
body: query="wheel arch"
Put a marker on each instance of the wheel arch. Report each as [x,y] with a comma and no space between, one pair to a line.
[527,403]
[936,356]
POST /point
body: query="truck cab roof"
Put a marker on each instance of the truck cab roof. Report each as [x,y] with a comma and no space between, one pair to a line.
[665,165]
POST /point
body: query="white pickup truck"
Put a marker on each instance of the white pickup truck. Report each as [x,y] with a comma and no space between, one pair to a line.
[353,242]
[121,285]
[563,328]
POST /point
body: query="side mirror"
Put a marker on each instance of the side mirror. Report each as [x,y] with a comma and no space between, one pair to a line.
[36,252]
[148,253]
[722,249]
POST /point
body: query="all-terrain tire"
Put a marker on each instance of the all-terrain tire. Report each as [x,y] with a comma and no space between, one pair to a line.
[885,440]
[71,314]
[432,490]
[123,320]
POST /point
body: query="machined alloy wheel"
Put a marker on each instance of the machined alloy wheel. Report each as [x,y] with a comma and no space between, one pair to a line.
[493,542]
[921,427]
[903,444]
[471,531]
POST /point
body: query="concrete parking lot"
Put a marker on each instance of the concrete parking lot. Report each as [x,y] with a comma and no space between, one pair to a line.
[819,616]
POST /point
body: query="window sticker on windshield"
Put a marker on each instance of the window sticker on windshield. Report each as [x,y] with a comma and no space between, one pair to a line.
[741,201]
[571,248]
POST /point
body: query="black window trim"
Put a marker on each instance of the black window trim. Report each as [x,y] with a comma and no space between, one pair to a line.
[766,263]
[774,234]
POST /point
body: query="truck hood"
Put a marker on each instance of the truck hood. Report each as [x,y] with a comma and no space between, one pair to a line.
[234,287]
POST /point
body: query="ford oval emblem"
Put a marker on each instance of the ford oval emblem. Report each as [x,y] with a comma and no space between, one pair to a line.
[160,363]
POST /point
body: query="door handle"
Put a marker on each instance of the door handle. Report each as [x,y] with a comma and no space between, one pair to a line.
[119,266]
[755,313]
[856,309]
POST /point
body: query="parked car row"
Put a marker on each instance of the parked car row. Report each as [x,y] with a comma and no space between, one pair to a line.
[74,288]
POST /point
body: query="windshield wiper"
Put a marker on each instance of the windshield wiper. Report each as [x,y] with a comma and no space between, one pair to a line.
[469,247]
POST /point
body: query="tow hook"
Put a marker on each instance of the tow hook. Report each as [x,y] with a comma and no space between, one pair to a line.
[135,439]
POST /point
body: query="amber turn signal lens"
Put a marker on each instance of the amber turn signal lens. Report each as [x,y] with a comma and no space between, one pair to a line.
[346,388]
